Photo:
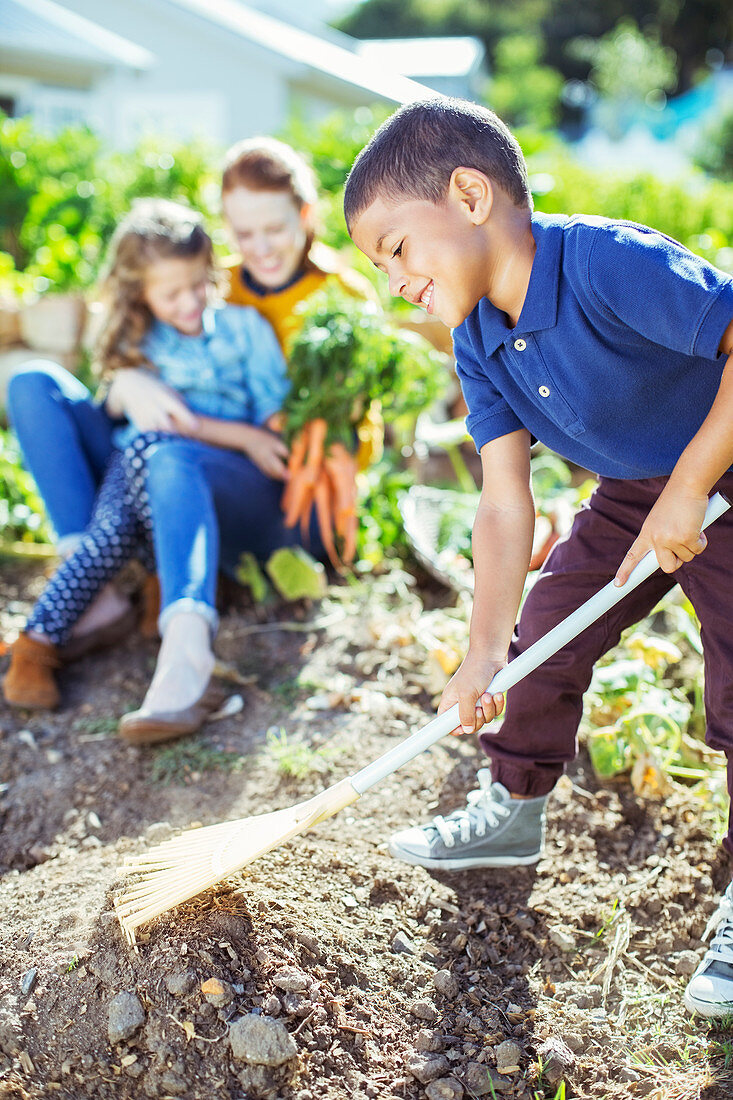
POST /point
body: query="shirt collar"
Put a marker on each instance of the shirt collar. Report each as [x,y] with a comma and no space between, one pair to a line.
[171,335]
[540,305]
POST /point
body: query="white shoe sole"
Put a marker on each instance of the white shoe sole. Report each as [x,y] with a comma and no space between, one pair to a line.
[708,1009]
[465,864]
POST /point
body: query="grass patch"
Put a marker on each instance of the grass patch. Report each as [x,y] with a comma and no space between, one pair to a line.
[93,729]
[295,758]
[185,761]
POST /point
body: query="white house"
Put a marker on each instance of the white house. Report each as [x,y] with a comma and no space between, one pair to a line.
[218,69]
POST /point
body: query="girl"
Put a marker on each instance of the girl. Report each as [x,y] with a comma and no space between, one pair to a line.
[268,195]
[230,378]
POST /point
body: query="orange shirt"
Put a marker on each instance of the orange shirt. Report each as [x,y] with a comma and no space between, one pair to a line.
[278,307]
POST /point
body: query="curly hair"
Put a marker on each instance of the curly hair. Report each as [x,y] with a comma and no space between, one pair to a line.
[154,229]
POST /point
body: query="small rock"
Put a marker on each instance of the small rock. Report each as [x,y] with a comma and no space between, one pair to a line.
[507,1056]
[217,992]
[557,1058]
[424,1010]
[575,1041]
[446,983]
[626,1075]
[427,1067]
[261,1040]
[290,980]
[29,980]
[686,963]
[258,1083]
[271,1005]
[429,1041]
[126,1016]
[480,1081]
[293,1004]
[173,1084]
[447,1088]
[403,944]
[158,832]
[562,939]
[181,982]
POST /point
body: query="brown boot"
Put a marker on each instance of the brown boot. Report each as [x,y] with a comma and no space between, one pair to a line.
[29,681]
[150,607]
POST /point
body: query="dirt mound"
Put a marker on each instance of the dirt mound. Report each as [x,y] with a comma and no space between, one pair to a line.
[329,970]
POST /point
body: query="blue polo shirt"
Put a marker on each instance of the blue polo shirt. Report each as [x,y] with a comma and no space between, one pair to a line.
[614,361]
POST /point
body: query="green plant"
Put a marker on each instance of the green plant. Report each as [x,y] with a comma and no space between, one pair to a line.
[22,517]
[347,354]
[715,150]
[184,761]
[294,757]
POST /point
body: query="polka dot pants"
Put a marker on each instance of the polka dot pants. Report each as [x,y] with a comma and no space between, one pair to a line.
[120,530]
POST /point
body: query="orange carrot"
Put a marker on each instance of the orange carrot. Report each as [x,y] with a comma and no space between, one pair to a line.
[341,467]
[304,480]
[295,464]
[322,497]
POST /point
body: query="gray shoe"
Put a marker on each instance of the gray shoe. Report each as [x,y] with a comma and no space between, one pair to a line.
[495,830]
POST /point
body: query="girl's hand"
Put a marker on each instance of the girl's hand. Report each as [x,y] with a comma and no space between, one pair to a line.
[672,530]
[467,687]
[148,403]
[268,452]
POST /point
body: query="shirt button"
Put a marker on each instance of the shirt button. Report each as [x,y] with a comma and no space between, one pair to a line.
[520,344]
[543,391]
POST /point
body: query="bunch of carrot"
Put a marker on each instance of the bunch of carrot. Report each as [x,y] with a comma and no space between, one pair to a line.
[324,478]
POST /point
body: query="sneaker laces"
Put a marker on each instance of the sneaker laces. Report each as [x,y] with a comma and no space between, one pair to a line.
[721,923]
[482,813]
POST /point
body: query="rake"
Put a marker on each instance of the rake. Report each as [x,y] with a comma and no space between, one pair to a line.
[178,869]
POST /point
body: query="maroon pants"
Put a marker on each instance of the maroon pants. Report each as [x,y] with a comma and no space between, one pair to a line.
[539,734]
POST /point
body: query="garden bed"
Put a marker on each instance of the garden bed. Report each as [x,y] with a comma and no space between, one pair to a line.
[370,977]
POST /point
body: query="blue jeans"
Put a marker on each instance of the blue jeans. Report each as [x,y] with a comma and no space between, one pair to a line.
[66,440]
[208,505]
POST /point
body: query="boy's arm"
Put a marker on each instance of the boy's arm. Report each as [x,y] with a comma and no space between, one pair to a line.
[502,546]
[672,528]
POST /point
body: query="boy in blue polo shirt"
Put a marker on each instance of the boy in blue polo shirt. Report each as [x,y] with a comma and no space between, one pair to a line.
[613,345]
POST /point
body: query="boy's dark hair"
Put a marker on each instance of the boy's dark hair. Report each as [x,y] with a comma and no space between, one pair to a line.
[414,153]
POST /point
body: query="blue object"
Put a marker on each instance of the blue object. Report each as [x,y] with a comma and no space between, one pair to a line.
[614,362]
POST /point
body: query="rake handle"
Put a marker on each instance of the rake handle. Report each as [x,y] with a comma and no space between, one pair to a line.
[598,604]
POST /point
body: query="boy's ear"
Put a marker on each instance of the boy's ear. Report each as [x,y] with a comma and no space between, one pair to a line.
[474,191]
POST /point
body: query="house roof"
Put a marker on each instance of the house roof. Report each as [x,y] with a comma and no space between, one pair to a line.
[332,56]
[43,27]
[424,57]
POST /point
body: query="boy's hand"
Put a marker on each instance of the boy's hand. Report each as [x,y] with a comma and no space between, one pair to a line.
[672,530]
[467,687]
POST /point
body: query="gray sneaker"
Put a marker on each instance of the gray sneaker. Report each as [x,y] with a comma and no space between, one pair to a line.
[495,830]
[710,990]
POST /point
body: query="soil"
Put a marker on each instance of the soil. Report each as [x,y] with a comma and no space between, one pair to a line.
[368,977]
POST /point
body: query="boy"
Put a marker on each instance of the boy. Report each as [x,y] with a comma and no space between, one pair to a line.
[613,345]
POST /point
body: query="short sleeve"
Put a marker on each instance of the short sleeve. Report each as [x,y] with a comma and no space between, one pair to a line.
[489,414]
[659,289]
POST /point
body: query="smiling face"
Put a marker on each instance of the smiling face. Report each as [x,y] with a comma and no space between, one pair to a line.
[175,290]
[434,256]
[270,231]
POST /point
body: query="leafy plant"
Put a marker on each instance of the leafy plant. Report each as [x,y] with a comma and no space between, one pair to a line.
[184,761]
[22,517]
[294,757]
[347,354]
